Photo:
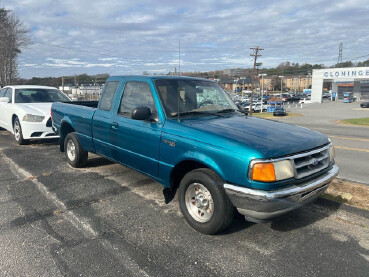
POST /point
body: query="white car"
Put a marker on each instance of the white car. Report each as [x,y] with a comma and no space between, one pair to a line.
[25,111]
[305,101]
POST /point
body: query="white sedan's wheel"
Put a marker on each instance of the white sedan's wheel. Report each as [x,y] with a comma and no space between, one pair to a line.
[17,130]
[18,135]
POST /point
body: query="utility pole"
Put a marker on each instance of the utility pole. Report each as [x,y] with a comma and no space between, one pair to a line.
[255,54]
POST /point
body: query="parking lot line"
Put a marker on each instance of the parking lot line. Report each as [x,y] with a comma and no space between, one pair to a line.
[359,139]
[353,149]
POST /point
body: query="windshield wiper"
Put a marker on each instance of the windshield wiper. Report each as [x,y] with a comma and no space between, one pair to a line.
[196,113]
[227,111]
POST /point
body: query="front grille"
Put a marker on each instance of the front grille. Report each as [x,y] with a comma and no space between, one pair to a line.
[49,122]
[311,162]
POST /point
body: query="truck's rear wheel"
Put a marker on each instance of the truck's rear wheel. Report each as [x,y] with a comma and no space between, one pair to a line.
[204,203]
[76,156]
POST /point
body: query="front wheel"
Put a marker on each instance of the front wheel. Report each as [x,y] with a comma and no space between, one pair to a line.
[18,134]
[76,156]
[203,201]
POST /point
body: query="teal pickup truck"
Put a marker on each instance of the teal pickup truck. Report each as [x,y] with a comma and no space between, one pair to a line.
[188,135]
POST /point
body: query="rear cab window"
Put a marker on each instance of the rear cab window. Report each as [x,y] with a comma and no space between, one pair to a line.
[108,95]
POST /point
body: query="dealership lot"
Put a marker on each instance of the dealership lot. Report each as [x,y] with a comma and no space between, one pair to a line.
[106,219]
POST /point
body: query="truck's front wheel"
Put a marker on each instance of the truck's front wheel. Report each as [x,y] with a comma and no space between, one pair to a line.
[203,201]
[76,156]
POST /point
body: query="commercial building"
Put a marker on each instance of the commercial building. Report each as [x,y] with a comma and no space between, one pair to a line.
[351,79]
[297,83]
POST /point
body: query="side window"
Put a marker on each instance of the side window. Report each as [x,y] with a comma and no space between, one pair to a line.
[2,92]
[8,94]
[108,96]
[136,94]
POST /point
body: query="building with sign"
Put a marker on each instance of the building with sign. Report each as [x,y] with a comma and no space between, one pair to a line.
[344,80]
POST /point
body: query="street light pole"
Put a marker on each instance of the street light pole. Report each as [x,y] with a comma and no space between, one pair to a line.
[262,90]
[281,84]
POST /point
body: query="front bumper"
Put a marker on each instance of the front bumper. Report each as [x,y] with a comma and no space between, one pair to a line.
[37,130]
[259,205]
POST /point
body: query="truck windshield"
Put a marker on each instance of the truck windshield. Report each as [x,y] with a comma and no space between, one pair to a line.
[38,95]
[193,97]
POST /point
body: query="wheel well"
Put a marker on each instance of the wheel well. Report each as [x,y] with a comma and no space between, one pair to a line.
[181,169]
[65,129]
[13,118]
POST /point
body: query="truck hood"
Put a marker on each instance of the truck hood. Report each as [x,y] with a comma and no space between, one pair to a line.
[272,138]
[35,108]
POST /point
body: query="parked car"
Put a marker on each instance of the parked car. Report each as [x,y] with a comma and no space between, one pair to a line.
[364,105]
[25,111]
[279,111]
[305,101]
[198,144]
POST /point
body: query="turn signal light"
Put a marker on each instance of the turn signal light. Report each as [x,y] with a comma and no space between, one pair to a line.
[263,172]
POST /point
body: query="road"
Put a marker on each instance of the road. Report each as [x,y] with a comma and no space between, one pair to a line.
[107,220]
[351,142]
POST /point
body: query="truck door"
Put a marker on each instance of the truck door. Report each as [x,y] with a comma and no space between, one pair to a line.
[101,122]
[136,142]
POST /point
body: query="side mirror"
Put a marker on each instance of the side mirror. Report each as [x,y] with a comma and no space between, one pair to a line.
[141,113]
[4,100]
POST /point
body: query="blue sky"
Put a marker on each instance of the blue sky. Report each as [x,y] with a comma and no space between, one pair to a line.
[129,37]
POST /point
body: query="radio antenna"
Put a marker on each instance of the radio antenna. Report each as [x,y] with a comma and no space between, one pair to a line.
[179,80]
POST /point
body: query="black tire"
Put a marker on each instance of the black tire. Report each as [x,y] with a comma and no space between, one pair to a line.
[222,208]
[18,134]
[77,157]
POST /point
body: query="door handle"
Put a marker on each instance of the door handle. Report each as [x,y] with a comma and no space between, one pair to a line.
[115,125]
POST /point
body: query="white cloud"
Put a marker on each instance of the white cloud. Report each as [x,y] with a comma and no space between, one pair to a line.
[143,35]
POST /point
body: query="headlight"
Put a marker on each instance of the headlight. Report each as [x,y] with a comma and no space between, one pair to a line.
[332,153]
[272,171]
[33,118]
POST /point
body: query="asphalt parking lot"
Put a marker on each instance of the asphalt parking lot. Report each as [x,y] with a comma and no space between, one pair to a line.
[351,142]
[107,220]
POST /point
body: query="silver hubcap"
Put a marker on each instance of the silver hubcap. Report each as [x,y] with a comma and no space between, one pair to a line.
[199,202]
[71,150]
[16,131]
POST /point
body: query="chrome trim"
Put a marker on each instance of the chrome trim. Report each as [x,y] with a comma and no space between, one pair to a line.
[291,158]
[258,205]
[266,195]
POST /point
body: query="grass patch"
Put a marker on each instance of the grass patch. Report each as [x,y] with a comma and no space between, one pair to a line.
[357,121]
[270,115]
[349,193]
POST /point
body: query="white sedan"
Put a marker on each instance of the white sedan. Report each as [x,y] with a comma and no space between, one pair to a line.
[25,111]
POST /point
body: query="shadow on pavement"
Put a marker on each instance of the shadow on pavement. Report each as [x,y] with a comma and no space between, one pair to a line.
[97,161]
[300,218]
[306,215]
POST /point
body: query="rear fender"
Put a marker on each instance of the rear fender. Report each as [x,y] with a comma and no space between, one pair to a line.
[66,127]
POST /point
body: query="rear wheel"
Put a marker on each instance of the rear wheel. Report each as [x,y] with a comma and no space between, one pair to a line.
[18,135]
[76,156]
[204,203]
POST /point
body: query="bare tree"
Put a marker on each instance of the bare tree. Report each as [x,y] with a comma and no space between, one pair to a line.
[13,38]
